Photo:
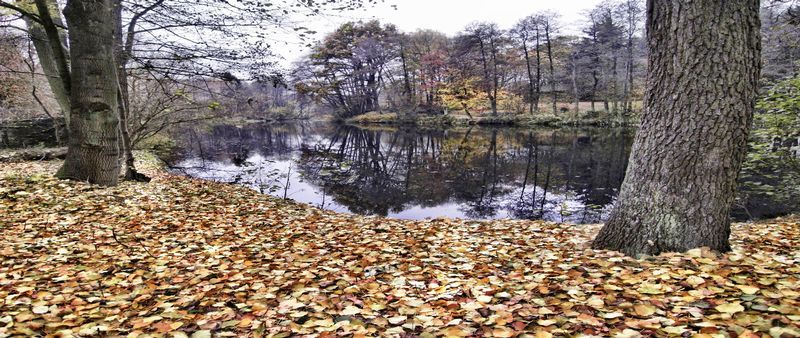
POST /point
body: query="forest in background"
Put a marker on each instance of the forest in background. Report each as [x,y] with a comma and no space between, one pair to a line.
[376,73]
[537,66]
[534,67]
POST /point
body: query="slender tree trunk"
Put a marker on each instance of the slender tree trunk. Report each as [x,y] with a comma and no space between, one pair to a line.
[625,90]
[495,77]
[704,65]
[407,91]
[552,68]
[596,59]
[628,87]
[527,166]
[48,64]
[615,77]
[123,99]
[488,78]
[538,68]
[57,43]
[530,75]
[606,92]
[632,10]
[575,84]
[93,152]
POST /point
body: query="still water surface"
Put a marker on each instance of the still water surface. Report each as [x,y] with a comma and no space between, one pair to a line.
[570,175]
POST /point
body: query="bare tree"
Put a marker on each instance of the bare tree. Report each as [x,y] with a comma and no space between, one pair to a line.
[488,42]
[526,32]
[631,10]
[547,20]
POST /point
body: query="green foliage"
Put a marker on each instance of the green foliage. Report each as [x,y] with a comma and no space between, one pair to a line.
[771,172]
[779,111]
[158,142]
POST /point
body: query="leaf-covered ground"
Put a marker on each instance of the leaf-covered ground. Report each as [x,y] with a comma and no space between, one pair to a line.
[182,257]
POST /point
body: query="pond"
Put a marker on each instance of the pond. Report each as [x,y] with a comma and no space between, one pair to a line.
[564,175]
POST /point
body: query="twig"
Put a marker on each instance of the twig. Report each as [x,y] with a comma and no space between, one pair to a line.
[286,186]
[114,235]
[144,247]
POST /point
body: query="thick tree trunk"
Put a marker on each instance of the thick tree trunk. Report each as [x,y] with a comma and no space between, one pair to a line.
[93,150]
[704,65]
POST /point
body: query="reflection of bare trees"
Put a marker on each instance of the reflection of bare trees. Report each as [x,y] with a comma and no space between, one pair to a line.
[486,173]
[370,172]
[523,174]
[236,144]
[486,201]
[580,173]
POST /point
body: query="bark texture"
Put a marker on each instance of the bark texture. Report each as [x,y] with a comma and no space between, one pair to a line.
[93,150]
[122,54]
[704,65]
[51,64]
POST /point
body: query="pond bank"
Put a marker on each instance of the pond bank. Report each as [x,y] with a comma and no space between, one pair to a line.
[517,120]
[183,256]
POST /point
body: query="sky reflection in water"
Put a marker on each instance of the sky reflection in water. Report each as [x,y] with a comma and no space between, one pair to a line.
[569,175]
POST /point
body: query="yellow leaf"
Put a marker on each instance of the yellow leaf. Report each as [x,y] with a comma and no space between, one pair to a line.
[397,319]
[696,252]
[471,306]
[484,299]
[644,310]
[455,331]
[748,290]
[588,319]
[651,289]
[596,302]
[695,280]
[350,311]
[24,289]
[675,330]
[201,334]
[733,307]
[545,322]
[41,309]
[628,333]
[503,332]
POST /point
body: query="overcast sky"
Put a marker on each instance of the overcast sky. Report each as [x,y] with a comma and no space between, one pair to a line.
[448,16]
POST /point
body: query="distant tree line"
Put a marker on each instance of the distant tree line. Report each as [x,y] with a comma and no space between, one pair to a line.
[535,66]
[368,66]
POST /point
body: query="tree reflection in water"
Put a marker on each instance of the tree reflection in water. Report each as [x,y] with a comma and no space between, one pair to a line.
[562,175]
